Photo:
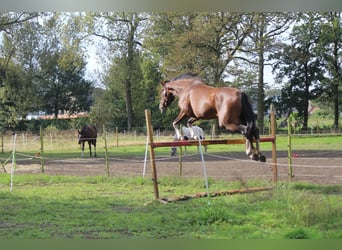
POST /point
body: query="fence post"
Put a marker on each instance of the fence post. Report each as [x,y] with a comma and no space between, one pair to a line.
[117,136]
[289,149]
[41,150]
[180,160]
[106,150]
[274,149]
[13,160]
[152,156]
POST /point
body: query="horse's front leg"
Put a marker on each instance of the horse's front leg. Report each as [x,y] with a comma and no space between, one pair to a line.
[192,132]
[95,150]
[82,147]
[175,123]
[177,130]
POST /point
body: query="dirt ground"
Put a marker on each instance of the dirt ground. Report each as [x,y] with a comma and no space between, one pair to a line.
[319,167]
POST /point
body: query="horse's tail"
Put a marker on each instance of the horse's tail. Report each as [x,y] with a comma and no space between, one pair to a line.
[247,115]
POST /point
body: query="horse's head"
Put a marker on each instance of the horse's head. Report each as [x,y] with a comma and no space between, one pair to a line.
[81,136]
[166,96]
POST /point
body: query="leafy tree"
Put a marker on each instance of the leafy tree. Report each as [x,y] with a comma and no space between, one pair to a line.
[62,86]
[113,101]
[107,110]
[16,96]
[330,42]
[149,86]
[262,41]
[11,20]
[122,33]
[198,42]
[301,64]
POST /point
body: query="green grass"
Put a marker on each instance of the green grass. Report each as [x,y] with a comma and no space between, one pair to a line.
[60,207]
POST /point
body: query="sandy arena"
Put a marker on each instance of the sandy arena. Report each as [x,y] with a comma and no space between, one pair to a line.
[318,167]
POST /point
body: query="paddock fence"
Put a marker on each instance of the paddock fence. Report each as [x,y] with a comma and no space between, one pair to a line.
[33,156]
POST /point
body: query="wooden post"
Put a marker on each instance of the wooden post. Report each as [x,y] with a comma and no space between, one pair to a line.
[41,150]
[14,162]
[289,149]
[152,156]
[106,150]
[180,157]
[274,149]
[117,136]
[180,160]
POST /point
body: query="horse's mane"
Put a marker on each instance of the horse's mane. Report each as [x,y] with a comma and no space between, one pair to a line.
[185,76]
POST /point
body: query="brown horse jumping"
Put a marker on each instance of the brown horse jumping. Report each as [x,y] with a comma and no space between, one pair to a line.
[89,134]
[196,100]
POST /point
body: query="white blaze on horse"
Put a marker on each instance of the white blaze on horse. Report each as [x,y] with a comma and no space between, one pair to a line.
[197,101]
[196,133]
[87,134]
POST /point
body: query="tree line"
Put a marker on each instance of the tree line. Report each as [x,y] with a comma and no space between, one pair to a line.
[43,60]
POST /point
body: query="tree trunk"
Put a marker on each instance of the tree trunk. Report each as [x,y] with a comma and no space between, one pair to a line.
[336,104]
[336,80]
[130,68]
[261,93]
[261,61]
[306,98]
[129,108]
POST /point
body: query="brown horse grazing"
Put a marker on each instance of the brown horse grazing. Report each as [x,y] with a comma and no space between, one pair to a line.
[196,100]
[89,134]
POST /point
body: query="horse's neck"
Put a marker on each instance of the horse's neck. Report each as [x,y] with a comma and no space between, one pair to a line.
[180,85]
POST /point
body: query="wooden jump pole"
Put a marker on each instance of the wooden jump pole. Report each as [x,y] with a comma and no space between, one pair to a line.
[152,155]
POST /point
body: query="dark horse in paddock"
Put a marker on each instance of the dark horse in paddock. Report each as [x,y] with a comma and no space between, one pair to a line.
[196,100]
[89,134]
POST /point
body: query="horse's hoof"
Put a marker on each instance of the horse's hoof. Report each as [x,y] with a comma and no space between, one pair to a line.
[262,158]
[255,157]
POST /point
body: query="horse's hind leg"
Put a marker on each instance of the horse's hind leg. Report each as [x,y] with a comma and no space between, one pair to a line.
[95,149]
[262,158]
[250,150]
[89,143]
[254,153]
